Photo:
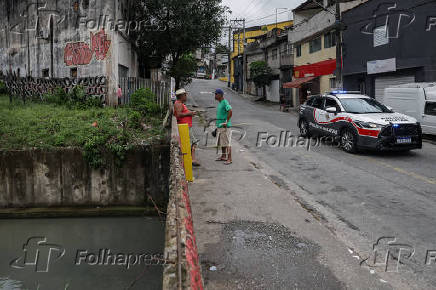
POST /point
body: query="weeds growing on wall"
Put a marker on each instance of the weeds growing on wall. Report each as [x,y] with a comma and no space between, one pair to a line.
[68,120]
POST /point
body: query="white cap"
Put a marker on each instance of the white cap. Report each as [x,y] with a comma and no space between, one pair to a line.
[180,92]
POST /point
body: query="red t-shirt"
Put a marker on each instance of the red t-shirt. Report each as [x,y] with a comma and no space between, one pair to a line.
[183,120]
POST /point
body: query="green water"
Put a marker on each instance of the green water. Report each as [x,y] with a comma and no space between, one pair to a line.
[80,253]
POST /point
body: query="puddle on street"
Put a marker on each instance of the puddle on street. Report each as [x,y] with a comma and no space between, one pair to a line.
[81,253]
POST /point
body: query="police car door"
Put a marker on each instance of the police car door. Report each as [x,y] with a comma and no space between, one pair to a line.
[331,124]
[318,115]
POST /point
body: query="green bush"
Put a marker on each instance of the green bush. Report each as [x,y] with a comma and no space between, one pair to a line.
[134,119]
[3,89]
[144,101]
[58,97]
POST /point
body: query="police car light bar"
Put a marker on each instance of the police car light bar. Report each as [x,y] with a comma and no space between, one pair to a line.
[344,92]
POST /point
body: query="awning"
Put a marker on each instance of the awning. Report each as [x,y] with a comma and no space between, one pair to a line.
[321,68]
[296,83]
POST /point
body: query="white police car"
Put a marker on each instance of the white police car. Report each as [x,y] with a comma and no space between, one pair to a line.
[357,122]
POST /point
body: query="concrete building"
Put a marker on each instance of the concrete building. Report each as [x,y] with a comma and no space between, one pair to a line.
[314,42]
[395,46]
[273,48]
[236,66]
[65,38]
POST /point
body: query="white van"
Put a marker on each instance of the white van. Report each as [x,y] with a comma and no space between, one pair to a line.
[417,100]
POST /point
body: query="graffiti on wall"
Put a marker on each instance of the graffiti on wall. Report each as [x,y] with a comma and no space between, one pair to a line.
[31,88]
[81,53]
[77,53]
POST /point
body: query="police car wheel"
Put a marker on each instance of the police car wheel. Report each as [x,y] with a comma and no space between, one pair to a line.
[348,141]
[304,129]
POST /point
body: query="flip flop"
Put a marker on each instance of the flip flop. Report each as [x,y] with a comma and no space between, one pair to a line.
[220,159]
[196,164]
[228,162]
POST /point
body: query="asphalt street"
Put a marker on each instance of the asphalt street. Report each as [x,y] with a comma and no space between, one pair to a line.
[359,197]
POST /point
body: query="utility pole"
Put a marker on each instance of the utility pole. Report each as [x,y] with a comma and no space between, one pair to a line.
[229,55]
[339,81]
[277,9]
[244,69]
[238,26]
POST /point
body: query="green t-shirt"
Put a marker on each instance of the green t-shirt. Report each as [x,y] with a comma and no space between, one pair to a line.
[221,113]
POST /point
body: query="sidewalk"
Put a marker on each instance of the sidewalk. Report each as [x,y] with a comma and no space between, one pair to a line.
[252,233]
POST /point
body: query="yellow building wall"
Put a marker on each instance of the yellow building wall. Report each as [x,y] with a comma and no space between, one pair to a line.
[324,83]
[250,34]
[310,58]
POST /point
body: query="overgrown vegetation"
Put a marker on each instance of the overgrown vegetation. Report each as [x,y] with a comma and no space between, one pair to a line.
[2,88]
[71,120]
[76,99]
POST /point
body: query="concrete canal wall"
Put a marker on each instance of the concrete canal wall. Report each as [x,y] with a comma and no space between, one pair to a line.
[180,242]
[62,178]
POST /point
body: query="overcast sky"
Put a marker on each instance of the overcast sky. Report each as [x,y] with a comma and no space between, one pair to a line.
[258,12]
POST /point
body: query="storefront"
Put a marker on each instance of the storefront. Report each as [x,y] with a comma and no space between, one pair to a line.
[312,79]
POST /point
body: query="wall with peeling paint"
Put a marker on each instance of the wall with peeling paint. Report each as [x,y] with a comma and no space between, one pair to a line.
[49,38]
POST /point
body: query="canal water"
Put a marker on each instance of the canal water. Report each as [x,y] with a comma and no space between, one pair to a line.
[82,253]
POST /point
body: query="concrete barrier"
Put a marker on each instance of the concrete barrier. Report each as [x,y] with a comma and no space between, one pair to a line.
[180,242]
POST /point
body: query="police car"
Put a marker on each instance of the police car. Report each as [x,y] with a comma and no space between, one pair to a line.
[358,122]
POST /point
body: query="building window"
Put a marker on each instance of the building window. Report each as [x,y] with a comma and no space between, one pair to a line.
[315,45]
[73,72]
[330,39]
[45,73]
[332,83]
[381,36]
[298,50]
[274,53]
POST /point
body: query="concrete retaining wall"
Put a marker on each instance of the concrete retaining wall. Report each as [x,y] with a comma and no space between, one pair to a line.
[180,242]
[62,178]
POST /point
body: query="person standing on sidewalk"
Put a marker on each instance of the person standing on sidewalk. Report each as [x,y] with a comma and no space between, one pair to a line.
[223,123]
[184,116]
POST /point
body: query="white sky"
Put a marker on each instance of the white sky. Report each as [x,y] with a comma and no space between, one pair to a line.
[260,12]
[253,10]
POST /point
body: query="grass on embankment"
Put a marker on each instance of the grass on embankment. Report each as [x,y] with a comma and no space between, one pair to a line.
[95,130]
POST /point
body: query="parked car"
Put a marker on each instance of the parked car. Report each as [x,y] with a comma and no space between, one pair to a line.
[357,122]
[201,75]
[417,100]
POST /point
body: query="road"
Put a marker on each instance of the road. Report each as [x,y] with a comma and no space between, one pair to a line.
[360,197]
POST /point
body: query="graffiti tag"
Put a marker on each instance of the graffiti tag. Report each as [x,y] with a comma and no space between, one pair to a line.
[81,53]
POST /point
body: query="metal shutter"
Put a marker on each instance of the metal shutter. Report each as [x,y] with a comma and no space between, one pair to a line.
[381,83]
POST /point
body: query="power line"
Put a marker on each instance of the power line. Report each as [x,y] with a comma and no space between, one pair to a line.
[247,9]
[260,8]
[255,9]
[268,16]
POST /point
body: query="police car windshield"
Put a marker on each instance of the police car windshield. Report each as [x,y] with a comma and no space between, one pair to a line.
[363,106]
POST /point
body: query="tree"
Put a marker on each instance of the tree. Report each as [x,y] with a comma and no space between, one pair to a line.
[261,74]
[220,48]
[184,68]
[177,28]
